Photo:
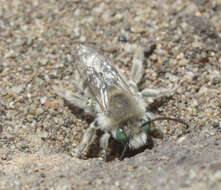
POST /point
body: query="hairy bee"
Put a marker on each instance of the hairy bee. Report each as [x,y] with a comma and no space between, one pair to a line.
[118,108]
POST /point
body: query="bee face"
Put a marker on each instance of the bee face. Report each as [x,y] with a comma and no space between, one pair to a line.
[133,134]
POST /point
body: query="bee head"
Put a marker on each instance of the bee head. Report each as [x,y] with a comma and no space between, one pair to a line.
[136,136]
[133,135]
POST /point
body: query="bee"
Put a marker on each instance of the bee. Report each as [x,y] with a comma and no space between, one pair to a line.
[113,99]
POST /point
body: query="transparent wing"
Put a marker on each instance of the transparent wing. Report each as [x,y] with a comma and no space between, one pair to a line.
[99,74]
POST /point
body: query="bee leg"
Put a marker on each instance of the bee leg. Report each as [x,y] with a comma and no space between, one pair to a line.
[151,94]
[77,100]
[88,138]
[71,97]
[137,70]
[104,143]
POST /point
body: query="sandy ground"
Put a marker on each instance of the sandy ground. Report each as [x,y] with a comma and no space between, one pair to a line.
[39,131]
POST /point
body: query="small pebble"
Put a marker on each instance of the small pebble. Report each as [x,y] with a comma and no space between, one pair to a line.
[183,62]
[122,38]
[53,74]
[215,125]
[217,176]
[189,76]
[181,140]
[43,100]
[17,89]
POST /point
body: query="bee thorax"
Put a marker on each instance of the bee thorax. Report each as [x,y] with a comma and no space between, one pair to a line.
[123,106]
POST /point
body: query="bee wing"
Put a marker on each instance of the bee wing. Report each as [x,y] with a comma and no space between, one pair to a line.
[100,75]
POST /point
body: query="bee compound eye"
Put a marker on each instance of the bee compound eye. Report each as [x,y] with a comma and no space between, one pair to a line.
[147,128]
[121,136]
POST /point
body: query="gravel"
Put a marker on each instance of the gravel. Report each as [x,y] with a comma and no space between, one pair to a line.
[38,130]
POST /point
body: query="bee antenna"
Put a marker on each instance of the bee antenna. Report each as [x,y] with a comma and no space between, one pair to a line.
[168,118]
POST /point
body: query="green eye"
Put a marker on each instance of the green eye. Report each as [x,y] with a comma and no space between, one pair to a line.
[121,136]
[147,128]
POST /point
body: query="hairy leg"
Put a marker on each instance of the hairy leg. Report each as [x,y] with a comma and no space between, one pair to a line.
[88,138]
[151,94]
[137,69]
[77,100]
[104,143]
